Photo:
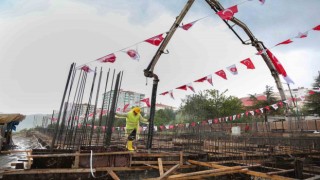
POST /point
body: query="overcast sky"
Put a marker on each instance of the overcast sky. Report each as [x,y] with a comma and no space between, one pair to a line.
[41,38]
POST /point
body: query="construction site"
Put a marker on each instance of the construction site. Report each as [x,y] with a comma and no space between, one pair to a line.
[220,148]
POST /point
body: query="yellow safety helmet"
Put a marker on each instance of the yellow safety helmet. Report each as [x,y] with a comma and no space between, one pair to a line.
[137,110]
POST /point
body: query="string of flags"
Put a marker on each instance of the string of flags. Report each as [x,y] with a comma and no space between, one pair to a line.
[217,120]
[226,14]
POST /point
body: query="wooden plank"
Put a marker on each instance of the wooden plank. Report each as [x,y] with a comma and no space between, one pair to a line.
[112,174]
[252,173]
[160,166]
[49,171]
[170,171]
[82,154]
[230,169]
[155,162]
[212,175]
[76,160]
[181,157]
[280,172]
[155,155]
[15,151]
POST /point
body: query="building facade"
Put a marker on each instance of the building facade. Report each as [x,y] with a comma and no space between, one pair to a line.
[125,97]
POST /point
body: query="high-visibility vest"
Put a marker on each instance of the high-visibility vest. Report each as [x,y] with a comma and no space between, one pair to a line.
[132,121]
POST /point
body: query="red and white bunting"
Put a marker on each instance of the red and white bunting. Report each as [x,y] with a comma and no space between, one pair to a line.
[86,69]
[207,78]
[164,93]
[133,54]
[267,108]
[227,14]
[233,69]
[317,28]
[275,106]
[261,110]
[279,67]
[171,94]
[183,87]
[222,74]
[188,26]
[111,58]
[302,35]
[147,101]
[252,113]
[156,40]
[189,85]
[262,2]
[247,62]
[288,41]
[125,107]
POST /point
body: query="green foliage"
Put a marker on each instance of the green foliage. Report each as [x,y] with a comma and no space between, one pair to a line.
[207,105]
[313,100]
[164,116]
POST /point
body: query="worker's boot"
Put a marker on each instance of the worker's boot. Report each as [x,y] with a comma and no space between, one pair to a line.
[129,146]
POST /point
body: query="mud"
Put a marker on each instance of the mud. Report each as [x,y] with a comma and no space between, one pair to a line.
[20,142]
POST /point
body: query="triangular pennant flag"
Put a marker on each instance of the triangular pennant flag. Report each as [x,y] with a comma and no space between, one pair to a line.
[193,124]
[184,87]
[201,79]
[155,128]
[302,35]
[125,107]
[247,62]
[317,28]
[164,93]
[234,117]
[252,113]
[190,87]
[233,69]
[279,67]
[285,101]
[209,79]
[156,40]
[216,121]
[133,54]
[187,125]
[188,26]
[171,94]
[261,110]
[228,14]
[239,116]
[226,118]
[281,104]
[288,41]
[275,106]
[267,108]
[242,114]
[167,126]
[86,69]
[219,119]
[262,1]
[222,74]
[146,100]
[108,58]
[210,121]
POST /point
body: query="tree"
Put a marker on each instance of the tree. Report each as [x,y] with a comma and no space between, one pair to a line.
[164,116]
[313,100]
[209,104]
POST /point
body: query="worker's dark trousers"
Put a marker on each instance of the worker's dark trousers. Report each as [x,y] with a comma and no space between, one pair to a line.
[132,135]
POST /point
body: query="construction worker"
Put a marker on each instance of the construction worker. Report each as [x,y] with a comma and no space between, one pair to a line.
[133,117]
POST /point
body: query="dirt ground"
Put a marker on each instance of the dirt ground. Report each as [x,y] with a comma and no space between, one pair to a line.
[20,142]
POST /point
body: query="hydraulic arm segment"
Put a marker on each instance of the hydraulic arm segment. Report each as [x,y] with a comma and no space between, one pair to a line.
[216,6]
